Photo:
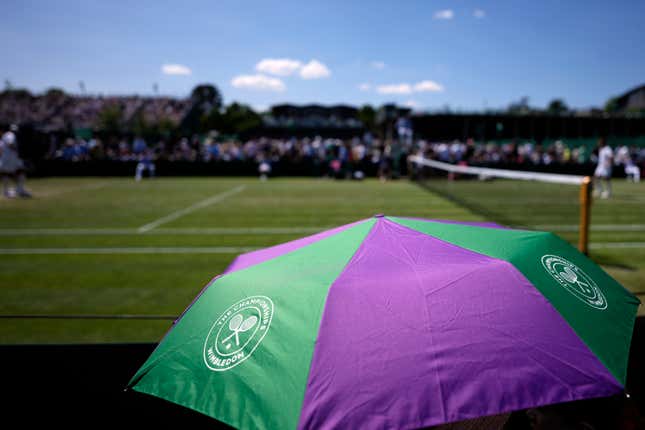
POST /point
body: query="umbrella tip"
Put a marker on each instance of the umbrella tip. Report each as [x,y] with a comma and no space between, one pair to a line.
[379,216]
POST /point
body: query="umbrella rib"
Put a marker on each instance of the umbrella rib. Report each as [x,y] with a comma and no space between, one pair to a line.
[544,351]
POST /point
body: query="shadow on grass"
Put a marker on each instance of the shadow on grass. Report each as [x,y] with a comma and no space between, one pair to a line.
[470,205]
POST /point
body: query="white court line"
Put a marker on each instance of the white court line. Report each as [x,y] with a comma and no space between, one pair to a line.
[617,245]
[129,250]
[593,227]
[236,231]
[211,249]
[233,231]
[209,201]
[241,230]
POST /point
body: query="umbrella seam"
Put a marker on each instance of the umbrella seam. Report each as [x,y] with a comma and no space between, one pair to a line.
[349,262]
[517,273]
[543,235]
[341,230]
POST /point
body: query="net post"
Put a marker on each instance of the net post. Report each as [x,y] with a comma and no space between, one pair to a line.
[585,215]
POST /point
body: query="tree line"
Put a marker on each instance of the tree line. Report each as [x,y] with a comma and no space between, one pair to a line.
[207,112]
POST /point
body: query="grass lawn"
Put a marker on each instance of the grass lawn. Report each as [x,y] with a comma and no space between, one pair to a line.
[113,247]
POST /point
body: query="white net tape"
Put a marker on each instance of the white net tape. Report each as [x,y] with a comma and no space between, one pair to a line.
[499,173]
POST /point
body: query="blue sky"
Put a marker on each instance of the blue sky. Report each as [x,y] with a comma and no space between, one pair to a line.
[428,54]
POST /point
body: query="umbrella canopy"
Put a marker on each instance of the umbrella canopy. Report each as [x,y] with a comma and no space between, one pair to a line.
[396,323]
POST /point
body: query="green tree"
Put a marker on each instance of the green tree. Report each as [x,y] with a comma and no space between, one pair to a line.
[206,102]
[110,119]
[212,120]
[16,93]
[207,97]
[612,105]
[140,126]
[557,107]
[242,118]
[520,107]
[367,115]
[55,93]
[165,127]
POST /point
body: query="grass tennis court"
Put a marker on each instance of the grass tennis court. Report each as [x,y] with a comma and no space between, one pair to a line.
[105,246]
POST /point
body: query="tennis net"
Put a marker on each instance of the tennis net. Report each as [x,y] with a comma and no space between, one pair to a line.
[521,199]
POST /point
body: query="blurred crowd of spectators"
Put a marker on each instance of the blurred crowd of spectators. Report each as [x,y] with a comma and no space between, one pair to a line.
[524,152]
[56,114]
[347,154]
[211,148]
[56,110]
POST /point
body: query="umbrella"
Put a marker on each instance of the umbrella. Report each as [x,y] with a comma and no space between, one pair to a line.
[396,322]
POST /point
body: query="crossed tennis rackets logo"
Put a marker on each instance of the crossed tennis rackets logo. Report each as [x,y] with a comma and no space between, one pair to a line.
[238,325]
[574,280]
[237,333]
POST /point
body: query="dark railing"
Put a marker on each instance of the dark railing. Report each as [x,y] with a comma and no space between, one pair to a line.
[84,385]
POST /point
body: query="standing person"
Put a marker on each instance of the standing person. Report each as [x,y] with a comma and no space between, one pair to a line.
[632,171]
[11,166]
[602,175]
[146,162]
[264,168]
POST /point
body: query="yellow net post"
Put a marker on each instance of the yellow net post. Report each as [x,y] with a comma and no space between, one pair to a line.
[585,215]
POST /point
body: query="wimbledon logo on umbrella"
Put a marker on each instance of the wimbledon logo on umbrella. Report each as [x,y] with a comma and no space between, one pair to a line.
[237,333]
[575,281]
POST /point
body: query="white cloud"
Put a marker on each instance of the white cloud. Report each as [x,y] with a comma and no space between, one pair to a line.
[411,104]
[378,65]
[176,69]
[479,13]
[394,89]
[431,86]
[278,66]
[444,14]
[364,87]
[405,88]
[314,70]
[258,82]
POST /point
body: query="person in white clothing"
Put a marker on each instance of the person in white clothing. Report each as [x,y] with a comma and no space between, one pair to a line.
[11,166]
[264,168]
[632,171]
[146,162]
[624,157]
[602,175]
